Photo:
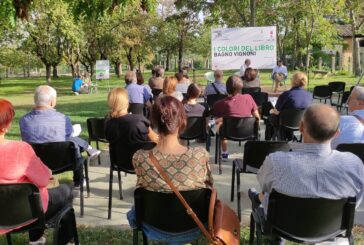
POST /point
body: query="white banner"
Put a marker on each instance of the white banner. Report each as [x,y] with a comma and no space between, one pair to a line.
[102,69]
[231,46]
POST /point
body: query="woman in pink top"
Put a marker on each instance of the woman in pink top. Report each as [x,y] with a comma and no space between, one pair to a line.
[19,164]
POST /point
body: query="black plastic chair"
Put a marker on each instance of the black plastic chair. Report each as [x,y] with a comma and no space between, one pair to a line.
[165,212]
[338,88]
[255,153]
[236,129]
[344,100]
[195,129]
[305,220]
[60,157]
[121,161]
[213,98]
[322,92]
[355,148]
[289,120]
[156,92]
[21,205]
[260,98]
[136,108]
[96,132]
[251,90]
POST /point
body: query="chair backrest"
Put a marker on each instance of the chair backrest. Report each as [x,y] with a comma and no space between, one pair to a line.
[255,152]
[322,91]
[355,148]
[20,205]
[213,98]
[58,156]
[156,92]
[260,98]
[251,90]
[345,97]
[337,86]
[310,220]
[164,211]
[96,129]
[121,156]
[240,128]
[136,108]
[195,128]
[291,118]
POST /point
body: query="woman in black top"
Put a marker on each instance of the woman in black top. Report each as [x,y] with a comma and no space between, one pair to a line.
[192,108]
[125,132]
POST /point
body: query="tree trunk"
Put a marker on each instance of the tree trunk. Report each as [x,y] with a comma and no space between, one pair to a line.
[252,12]
[91,70]
[73,70]
[24,72]
[48,73]
[168,61]
[118,69]
[180,52]
[28,71]
[129,56]
[55,72]
[7,72]
[356,58]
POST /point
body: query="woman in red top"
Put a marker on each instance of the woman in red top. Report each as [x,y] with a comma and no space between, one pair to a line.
[19,164]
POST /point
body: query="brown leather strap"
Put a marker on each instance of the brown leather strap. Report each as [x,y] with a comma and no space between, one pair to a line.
[180,197]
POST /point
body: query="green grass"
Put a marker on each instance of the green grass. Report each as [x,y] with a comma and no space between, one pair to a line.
[117,236]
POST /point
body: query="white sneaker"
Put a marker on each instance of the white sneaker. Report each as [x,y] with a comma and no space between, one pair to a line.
[93,153]
[40,241]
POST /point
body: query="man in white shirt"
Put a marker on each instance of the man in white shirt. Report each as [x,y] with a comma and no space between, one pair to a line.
[279,74]
[246,64]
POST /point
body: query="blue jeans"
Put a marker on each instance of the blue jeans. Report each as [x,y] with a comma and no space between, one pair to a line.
[155,234]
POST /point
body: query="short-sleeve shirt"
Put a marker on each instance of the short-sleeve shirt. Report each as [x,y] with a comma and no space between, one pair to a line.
[240,105]
[76,85]
[40,126]
[194,110]
[187,171]
[137,93]
[295,98]
[220,87]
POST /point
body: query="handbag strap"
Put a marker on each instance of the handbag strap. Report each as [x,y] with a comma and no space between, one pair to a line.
[180,197]
[216,90]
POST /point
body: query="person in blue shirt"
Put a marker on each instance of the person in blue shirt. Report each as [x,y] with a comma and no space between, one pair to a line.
[79,87]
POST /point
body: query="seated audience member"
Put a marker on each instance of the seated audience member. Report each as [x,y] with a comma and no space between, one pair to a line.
[19,164]
[79,87]
[312,169]
[352,126]
[192,108]
[157,81]
[217,87]
[169,88]
[235,105]
[295,98]
[279,74]
[245,66]
[169,118]
[251,79]
[140,81]
[44,124]
[138,94]
[182,83]
[127,132]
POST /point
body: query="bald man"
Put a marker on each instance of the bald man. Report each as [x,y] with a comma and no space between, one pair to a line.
[312,169]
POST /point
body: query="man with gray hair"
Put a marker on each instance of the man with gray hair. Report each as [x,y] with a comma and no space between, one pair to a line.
[138,94]
[312,169]
[45,124]
[217,87]
[352,126]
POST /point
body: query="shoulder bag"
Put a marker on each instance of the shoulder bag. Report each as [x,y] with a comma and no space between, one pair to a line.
[223,224]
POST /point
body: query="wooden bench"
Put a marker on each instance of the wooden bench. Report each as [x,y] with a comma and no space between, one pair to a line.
[323,74]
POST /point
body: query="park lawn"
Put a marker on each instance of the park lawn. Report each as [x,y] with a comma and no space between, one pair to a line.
[118,236]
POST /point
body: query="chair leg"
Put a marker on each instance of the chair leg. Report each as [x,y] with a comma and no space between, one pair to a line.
[120,186]
[135,237]
[75,234]
[81,195]
[8,239]
[259,234]
[208,141]
[238,195]
[145,239]
[232,183]
[110,192]
[216,147]
[97,146]
[86,164]
[252,229]
[219,155]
